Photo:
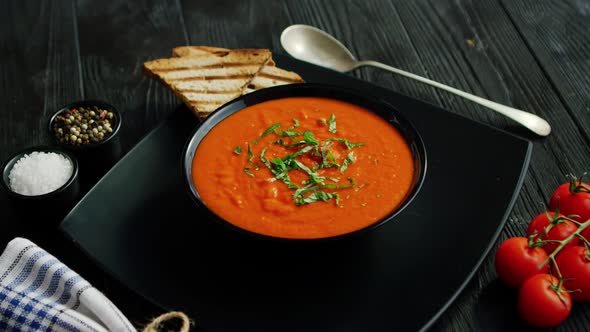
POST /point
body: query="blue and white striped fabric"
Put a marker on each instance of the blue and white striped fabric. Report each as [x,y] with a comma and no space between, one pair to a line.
[39,293]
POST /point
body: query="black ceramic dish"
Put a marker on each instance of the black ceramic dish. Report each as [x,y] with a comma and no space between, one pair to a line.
[88,103]
[400,276]
[95,158]
[372,104]
[56,202]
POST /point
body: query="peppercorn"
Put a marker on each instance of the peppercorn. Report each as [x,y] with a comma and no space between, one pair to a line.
[83,125]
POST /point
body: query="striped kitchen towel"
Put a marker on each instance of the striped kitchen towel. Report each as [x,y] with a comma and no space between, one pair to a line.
[39,293]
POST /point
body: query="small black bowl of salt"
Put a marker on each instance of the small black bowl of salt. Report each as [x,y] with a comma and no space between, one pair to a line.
[42,183]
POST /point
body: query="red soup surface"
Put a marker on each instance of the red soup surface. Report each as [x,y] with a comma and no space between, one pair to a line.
[303,168]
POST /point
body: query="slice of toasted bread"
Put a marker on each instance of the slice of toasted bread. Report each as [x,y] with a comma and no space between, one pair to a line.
[270,76]
[200,50]
[206,81]
[267,77]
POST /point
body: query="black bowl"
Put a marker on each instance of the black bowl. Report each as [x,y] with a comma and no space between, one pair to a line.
[87,103]
[50,206]
[95,158]
[372,104]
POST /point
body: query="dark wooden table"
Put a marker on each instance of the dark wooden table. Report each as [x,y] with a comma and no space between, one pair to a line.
[531,54]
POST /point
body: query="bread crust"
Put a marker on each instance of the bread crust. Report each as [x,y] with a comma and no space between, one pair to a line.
[223,74]
[206,77]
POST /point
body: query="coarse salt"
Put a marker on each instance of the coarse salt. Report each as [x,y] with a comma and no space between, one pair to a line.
[40,173]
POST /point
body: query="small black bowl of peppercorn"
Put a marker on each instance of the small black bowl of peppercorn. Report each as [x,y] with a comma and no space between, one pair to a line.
[89,129]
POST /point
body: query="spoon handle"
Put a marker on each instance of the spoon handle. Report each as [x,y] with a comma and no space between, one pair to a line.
[531,121]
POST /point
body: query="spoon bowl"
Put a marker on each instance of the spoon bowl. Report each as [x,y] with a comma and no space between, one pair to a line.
[318,47]
[315,46]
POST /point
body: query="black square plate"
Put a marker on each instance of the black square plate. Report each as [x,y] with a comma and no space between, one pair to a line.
[140,224]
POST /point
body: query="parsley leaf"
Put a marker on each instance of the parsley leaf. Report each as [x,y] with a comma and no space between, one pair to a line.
[346,142]
[309,139]
[238,150]
[318,196]
[250,154]
[267,131]
[247,171]
[351,158]
[332,124]
[295,124]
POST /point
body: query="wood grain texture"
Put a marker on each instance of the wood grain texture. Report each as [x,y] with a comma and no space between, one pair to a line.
[115,39]
[21,97]
[479,38]
[25,29]
[562,48]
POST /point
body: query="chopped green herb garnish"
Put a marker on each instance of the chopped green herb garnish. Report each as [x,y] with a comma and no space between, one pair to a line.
[332,159]
[279,165]
[351,158]
[309,139]
[267,131]
[298,195]
[318,196]
[295,124]
[303,167]
[332,124]
[280,173]
[300,152]
[288,133]
[247,171]
[250,154]
[263,160]
[346,142]
[315,186]
[296,144]
[279,142]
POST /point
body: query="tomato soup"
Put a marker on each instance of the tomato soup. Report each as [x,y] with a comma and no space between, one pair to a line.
[303,168]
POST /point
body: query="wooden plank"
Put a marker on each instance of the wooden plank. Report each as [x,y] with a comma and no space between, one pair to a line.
[234,24]
[215,24]
[116,37]
[24,29]
[21,98]
[498,62]
[375,33]
[558,33]
[473,46]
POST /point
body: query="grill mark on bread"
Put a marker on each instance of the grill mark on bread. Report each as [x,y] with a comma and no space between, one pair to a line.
[213,92]
[216,65]
[205,78]
[198,103]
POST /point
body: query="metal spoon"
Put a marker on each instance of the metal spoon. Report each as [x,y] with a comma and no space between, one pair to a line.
[313,45]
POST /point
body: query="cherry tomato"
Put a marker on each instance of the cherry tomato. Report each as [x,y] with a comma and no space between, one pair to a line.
[559,231]
[541,303]
[516,261]
[573,198]
[574,264]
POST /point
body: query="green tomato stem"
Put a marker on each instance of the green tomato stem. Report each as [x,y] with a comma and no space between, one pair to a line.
[556,268]
[564,242]
[586,242]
